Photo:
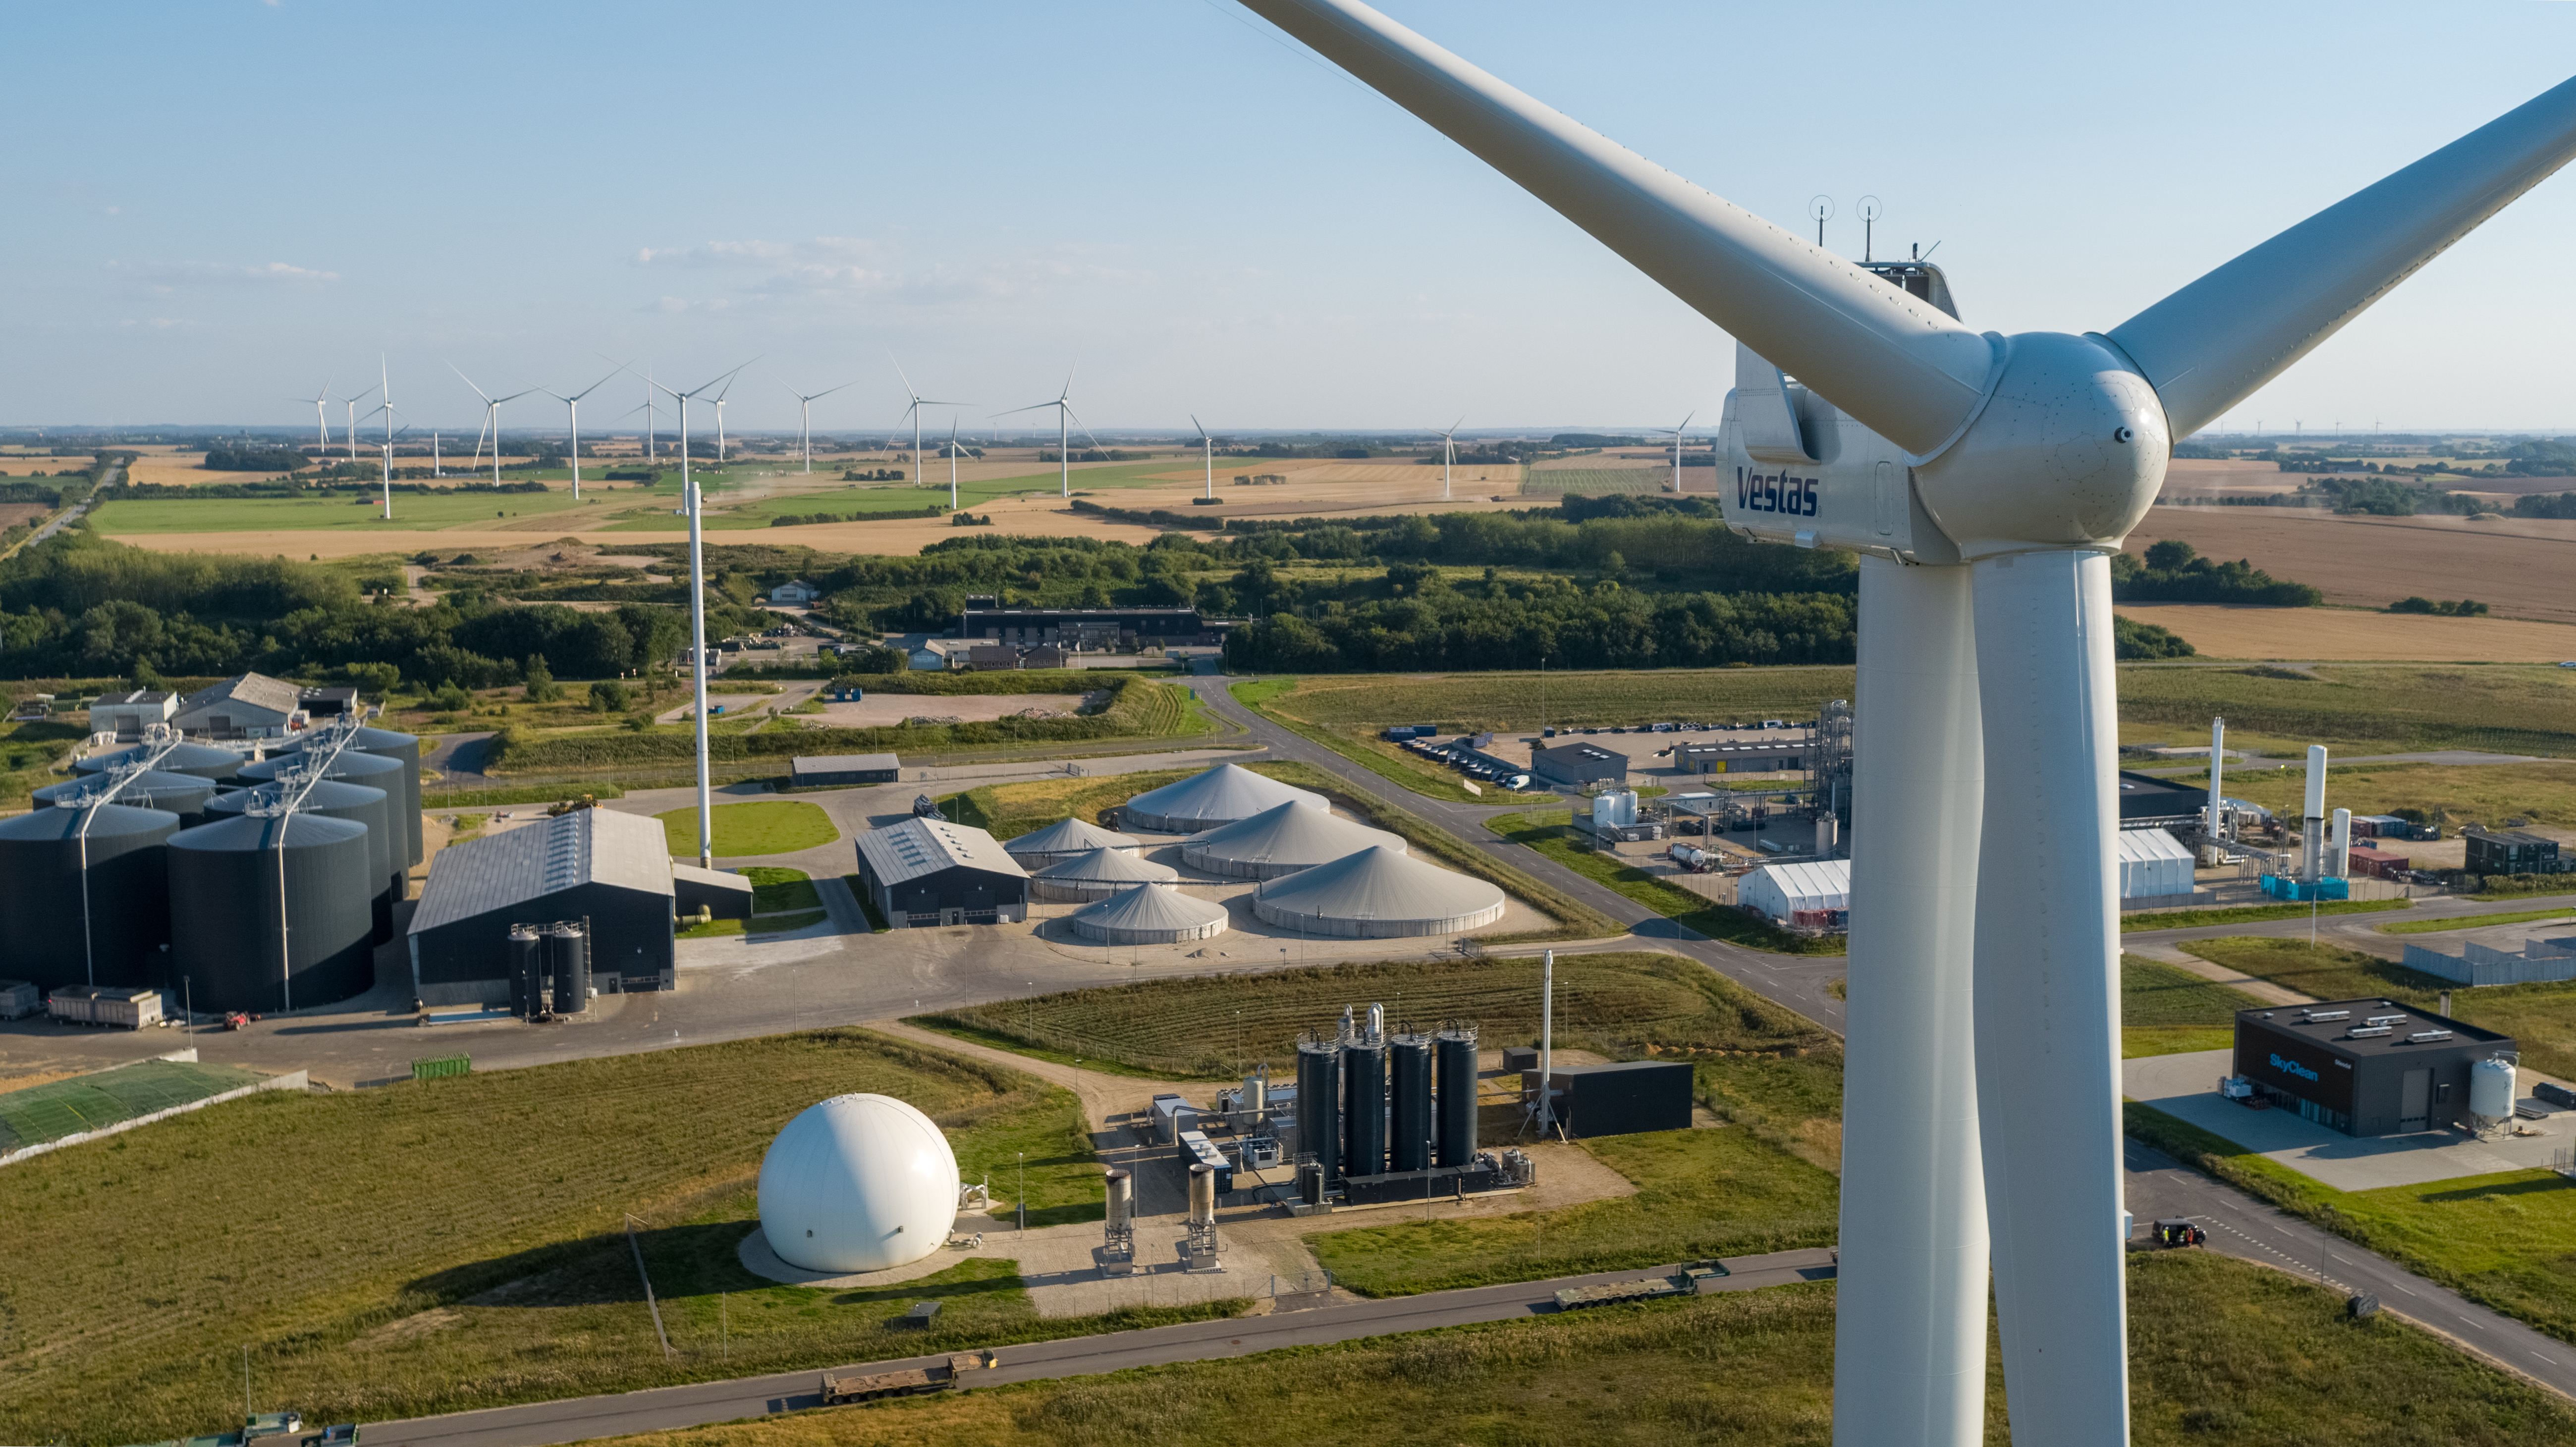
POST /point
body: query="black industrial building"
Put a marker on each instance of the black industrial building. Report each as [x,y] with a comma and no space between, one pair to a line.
[1101,629]
[923,872]
[2509,851]
[611,869]
[1746,756]
[2363,1067]
[2148,802]
[1578,764]
[1626,1097]
[824,771]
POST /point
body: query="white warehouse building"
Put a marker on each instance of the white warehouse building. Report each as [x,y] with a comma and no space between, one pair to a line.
[1780,892]
[2153,865]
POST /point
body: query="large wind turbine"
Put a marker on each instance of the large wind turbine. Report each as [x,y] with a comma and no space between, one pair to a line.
[322,414]
[1449,453]
[952,462]
[690,504]
[1993,481]
[719,399]
[572,406]
[1207,453]
[491,419]
[1677,450]
[913,412]
[1062,402]
[805,418]
[351,431]
[384,384]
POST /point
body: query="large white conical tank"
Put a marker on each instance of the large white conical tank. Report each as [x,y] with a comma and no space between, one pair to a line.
[858,1183]
[2491,1088]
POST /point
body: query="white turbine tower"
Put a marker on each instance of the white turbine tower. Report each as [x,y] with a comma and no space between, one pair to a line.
[491,419]
[1449,453]
[572,407]
[384,384]
[913,413]
[1207,453]
[1989,480]
[322,413]
[1677,451]
[719,400]
[350,433]
[690,504]
[952,462]
[1063,405]
[805,418]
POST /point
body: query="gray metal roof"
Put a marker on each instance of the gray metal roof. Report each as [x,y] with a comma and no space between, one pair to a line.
[843,763]
[915,847]
[256,689]
[1069,836]
[711,878]
[586,846]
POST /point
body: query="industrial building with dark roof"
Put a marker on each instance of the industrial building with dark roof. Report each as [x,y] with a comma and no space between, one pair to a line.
[2363,1067]
[832,771]
[1578,764]
[922,872]
[611,869]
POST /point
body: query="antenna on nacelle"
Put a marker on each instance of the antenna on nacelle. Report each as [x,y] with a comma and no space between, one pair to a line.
[1870,210]
[1821,208]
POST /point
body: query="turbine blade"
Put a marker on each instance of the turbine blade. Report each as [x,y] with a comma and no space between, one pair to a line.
[1905,369]
[2210,345]
[595,386]
[828,391]
[907,381]
[1032,407]
[1194,422]
[460,372]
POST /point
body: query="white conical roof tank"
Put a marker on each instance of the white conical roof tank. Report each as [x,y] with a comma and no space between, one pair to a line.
[858,1183]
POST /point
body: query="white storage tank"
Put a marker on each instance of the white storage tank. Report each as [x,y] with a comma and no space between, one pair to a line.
[1616,809]
[2491,1088]
[858,1183]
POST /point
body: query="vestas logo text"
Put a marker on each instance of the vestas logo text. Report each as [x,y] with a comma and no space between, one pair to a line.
[2292,1067]
[1776,492]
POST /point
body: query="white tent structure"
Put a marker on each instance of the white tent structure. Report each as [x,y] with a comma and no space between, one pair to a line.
[1097,875]
[1377,894]
[2153,864]
[1281,841]
[1780,891]
[858,1183]
[1149,914]
[1062,840]
[1203,801]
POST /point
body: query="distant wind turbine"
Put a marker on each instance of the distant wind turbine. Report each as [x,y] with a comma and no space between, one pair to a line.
[913,412]
[351,431]
[1677,451]
[1449,453]
[491,419]
[572,406]
[321,413]
[384,384]
[1064,414]
[1207,453]
[805,417]
[952,463]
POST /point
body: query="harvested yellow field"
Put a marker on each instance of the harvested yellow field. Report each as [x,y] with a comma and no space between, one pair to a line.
[2322,635]
[184,469]
[2520,567]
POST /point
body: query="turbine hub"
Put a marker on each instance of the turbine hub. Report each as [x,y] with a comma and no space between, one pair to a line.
[2069,452]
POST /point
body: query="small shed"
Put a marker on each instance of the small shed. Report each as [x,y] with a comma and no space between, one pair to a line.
[1578,764]
[925,872]
[987,656]
[794,594]
[1783,892]
[722,895]
[2374,863]
[127,714]
[837,771]
[2153,865]
[2510,851]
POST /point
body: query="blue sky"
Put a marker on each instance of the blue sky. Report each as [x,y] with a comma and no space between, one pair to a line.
[217,204]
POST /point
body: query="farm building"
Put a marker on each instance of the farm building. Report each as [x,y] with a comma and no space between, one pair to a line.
[611,869]
[832,771]
[794,594]
[1098,874]
[1062,840]
[1203,801]
[1281,840]
[126,714]
[253,706]
[988,657]
[923,872]
[1150,914]
[1575,765]
[2153,864]
[1816,892]
[1377,894]
[1119,630]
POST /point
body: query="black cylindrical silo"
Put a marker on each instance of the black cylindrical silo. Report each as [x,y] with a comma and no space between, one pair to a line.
[405,750]
[182,794]
[1456,1046]
[203,760]
[1364,1105]
[332,799]
[86,907]
[1319,1102]
[1408,1144]
[349,766]
[527,967]
[272,914]
[568,953]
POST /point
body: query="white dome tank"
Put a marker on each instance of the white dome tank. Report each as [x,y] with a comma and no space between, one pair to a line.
[2491,1088]
[858,1183]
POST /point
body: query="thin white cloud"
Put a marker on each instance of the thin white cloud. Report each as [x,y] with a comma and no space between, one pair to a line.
[829,267]
[178,273]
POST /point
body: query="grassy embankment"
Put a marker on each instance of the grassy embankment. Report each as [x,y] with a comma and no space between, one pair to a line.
[1550,832]
[2256,914]
[2476,921]
[456,1244]
[2166,1010]
[2220,1351]
[1011,810]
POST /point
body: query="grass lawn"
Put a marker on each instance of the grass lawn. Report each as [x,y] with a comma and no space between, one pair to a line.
[775,890]
[1478,701]
[2166,1010]
[1622,1005]
[2257,914]
[2540,1018]
[456,1243]
[2474,921]
[412,512]
[2221,1351]
[1358,744]
[1550,832]
[772,826]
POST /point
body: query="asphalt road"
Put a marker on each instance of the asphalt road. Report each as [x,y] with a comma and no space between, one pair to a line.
[664,1408]
[1797,981]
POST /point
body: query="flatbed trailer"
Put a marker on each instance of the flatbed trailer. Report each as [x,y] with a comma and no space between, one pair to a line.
[842,1387]
[1685,1282]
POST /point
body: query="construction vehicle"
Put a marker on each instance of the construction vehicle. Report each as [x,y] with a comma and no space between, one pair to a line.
[844,1387]
[2179,1231]
[1685,1282]
[558,810]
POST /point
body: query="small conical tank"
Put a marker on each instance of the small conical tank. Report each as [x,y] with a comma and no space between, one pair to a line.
[203,760]
[332,799]
[182,794]
[59,928]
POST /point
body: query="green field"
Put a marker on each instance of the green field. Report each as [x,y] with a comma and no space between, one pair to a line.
[1541,481]
[2482,793]
[772,826]
[2540,1018]
[412,512]
[41,1113]
[2376,708]
[1549,832]
[1465,702]
[1360,744]
[456,1243]
[2166,1010]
